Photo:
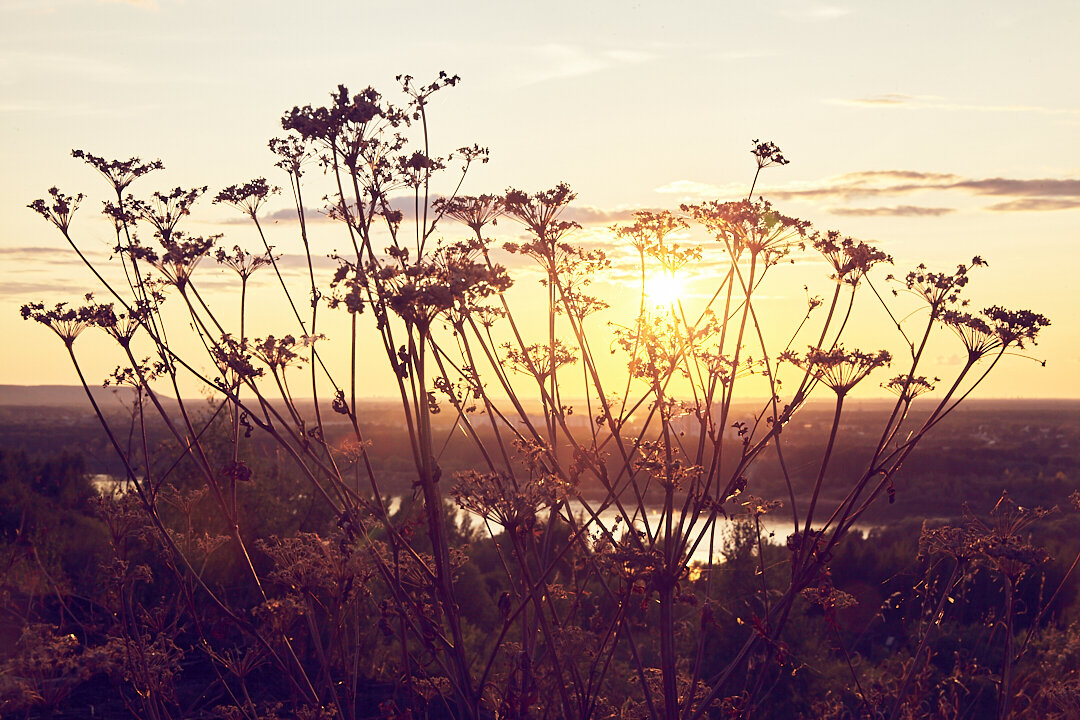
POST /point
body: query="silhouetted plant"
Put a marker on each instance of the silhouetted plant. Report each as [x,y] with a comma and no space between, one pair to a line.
[597,603]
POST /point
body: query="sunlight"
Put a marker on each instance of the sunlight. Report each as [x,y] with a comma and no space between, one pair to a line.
[664,289]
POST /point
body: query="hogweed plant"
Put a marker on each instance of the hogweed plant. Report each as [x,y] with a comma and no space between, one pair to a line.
[603,595]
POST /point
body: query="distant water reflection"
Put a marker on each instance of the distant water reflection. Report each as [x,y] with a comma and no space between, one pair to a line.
[775,528]
[109,485]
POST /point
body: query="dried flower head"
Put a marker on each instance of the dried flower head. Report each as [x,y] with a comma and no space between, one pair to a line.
[308,563]
[1015,327]
[165,210]
[59,209]
[540,213]
[649,229]
[909,387]
[352,128]
[119,173]
[828,597]
[137,375]
[122,327]
[539,360]
[767,154]
[841,369]
[181,256]
[655,346]
[420,93]
[509,503]
[292,154]
[67,322]
[1001,542]
[471,153]
[475,211]
[235,355]
[449,282]
[940,290]
[247,197]
[850,259]
[995,330]
[122,216]
[751,226]
[277,353]
[241,261]
[649,236]
[323,123]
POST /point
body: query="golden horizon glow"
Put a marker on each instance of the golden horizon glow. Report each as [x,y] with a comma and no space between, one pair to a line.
[932,194]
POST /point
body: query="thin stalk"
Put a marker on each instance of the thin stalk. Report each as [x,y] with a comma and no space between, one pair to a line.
[934,620]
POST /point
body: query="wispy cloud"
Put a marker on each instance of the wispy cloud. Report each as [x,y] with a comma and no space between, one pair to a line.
[868,176]
[688,187]
[731,55]
[26,291]
[555,61]
[886,99]
[50,255]
[865,184]
[402,203]
[953,359]
[896,211]
[891,183]
[28,250]
[691,190]
[1027,188]
[149,4]
[902,101]
[1036,204]
[802,10]
[845,192]
[287,215]
[583,214]
[847,186]
[1037,193]
[296,261]
[588,215]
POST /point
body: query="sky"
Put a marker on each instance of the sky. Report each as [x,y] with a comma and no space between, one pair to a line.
[938,131]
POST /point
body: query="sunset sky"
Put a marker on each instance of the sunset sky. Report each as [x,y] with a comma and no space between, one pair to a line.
[937,130]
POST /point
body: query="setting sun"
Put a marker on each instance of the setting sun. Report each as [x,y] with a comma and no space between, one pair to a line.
[664,289]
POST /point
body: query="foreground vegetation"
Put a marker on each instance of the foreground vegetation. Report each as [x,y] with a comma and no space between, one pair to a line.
[260,566]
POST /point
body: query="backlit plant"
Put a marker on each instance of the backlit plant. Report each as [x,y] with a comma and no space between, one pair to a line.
[601,488]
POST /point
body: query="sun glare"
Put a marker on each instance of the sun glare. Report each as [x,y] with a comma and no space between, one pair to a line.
[663,289]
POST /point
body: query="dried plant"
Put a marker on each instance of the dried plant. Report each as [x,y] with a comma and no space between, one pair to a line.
[596,517]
